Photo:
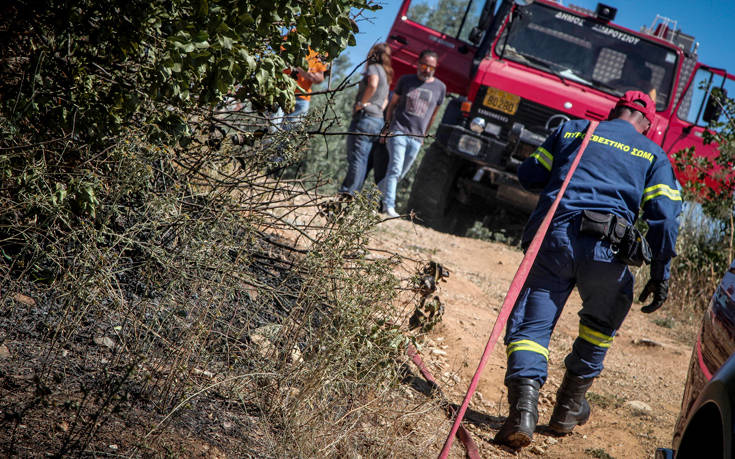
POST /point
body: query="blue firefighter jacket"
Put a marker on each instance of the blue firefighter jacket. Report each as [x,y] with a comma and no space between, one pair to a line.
[621,171]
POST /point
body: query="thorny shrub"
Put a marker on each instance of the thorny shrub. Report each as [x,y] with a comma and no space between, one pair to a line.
[199,278]
[701,261]
[165,291]
[707,230]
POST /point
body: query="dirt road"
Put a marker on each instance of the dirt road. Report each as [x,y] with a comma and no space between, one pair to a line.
[634,402]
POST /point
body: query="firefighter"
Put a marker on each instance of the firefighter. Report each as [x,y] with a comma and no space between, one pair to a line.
[590,243]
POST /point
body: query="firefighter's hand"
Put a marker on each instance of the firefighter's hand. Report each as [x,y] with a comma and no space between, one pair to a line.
[660,290]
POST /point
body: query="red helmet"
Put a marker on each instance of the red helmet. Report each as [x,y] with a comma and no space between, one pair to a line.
[639,101]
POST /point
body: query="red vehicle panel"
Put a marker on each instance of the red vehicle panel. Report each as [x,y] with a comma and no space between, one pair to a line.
[522,70]
[408,38]
[688,121]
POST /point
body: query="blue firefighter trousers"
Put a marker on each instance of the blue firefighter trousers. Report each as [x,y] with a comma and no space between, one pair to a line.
[567,259]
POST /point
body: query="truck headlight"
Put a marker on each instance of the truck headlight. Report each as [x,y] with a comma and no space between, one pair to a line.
[477,124]
[469,145]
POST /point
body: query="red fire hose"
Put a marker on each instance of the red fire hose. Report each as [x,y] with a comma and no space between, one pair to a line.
[464,436]
[515,289]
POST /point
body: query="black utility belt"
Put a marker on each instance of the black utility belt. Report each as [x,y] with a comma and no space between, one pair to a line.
[627,243]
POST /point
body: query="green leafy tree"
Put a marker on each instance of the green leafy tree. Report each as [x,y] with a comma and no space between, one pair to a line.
[705,242]
[79,77]
[711,181]
[116,60]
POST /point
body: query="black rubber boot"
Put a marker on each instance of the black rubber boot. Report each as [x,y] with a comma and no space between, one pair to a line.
[571,407]
[517,431]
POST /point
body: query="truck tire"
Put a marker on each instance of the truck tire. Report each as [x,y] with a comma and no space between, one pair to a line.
[434,189]
[452,115]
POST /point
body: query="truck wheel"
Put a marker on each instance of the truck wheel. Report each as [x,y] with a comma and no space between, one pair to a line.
[452,115]
[433,191]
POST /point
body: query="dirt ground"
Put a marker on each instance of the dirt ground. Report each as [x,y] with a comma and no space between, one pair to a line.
[635,401]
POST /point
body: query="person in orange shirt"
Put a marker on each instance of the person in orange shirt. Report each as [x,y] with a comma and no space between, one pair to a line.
[305,79]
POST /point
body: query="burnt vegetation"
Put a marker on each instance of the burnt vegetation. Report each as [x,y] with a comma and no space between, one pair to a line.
[166,290]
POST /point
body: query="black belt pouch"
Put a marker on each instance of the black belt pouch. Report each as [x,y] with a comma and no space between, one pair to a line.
[629,246]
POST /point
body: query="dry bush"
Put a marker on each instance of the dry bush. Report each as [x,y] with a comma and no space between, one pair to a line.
[164,291]
[701,261]
[207,305]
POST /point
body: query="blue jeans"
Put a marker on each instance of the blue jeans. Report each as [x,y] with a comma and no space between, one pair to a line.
[358,150]
[280,121]
[300,109]
[402,151]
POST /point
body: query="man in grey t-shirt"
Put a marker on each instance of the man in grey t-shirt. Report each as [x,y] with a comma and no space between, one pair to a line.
[411,113]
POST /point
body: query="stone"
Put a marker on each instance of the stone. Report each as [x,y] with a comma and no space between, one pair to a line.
[24,299]
[206,373]
[296,356]
[647,342]
[263,338]
[638,407]
[104,341]
[265,347]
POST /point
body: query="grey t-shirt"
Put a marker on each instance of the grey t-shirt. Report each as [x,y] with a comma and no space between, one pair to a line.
[417,103]
[381,92]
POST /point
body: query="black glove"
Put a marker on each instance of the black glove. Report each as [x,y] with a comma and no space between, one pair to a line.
[660,290]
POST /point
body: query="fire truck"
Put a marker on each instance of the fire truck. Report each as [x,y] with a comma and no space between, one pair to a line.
[518,69]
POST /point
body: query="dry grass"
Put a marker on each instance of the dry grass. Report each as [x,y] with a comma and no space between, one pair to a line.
[205,306]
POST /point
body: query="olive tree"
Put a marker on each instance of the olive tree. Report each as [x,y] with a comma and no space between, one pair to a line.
[80,77]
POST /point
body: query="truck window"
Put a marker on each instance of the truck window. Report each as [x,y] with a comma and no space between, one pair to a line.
[694,105]
[588,52]
[447,16]
[624,72]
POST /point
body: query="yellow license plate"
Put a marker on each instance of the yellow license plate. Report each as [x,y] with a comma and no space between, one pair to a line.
[501,101]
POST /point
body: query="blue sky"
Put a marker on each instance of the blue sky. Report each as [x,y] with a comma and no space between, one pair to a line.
[710,21]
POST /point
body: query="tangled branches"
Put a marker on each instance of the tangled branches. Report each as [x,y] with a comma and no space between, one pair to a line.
[197,273]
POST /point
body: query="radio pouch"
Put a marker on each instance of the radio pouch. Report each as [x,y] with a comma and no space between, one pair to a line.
[629,246]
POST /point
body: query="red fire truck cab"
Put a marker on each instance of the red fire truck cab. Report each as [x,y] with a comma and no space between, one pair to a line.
[521,68]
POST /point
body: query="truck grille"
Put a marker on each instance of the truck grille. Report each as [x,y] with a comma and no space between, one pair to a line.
[532,115]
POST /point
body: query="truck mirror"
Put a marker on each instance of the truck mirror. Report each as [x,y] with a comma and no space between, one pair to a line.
[713,109]
[475,36]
